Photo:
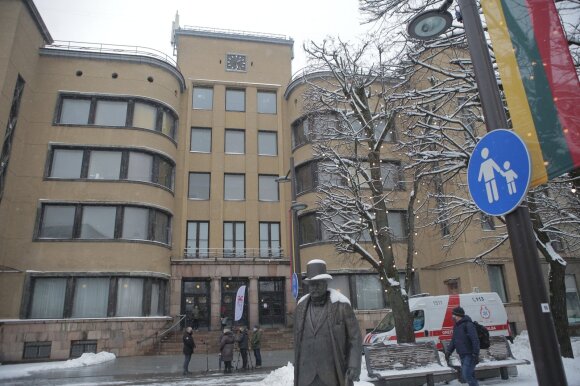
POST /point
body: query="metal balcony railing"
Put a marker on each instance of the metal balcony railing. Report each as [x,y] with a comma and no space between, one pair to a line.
[231,253]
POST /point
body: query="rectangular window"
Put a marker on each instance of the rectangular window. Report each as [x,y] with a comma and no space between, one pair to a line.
[268,188]
[197,239]
[36,350]
[234,239]
[79,347]
[379,128]
[144,116]
[155,309]
[369,292]
[341,283]
[267,143]
[234,187]
[397,223]
[91,298]
[267,102]
[98,222]
[572,299]
[161,227]
[104,165]
[202,98]
[48,298]
[166,173]
[497,282]
[199,184]
[305,177]
[129,296]
[235,100]
[235,142]
[168,124]
[111,113]
[391,175]
[270,239]
[75,111]
[201,139]
[135,223]
[57,222]
[309,229]
[66,163]
[487,223]
[140,167]
[300,132]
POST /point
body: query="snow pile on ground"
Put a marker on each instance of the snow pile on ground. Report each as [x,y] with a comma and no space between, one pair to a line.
[87,359]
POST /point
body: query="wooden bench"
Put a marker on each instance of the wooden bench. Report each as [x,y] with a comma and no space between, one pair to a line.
[497,356]
[410,361]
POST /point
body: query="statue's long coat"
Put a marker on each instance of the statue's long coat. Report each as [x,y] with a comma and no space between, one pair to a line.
[344,347]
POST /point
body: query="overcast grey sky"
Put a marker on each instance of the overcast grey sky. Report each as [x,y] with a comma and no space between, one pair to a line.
[147,23]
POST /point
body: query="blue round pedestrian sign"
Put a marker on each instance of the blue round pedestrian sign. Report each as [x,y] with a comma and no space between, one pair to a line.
[499,172]
[295,285]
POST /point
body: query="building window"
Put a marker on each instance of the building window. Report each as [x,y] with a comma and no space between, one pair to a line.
[267,143]
[271,304]
[234,239]
[310,229]
[391,175]
[267,102]
[235,100]
[572,300]
[79,347]
[389,136]
[200,139]
[109,222]
[37,350]
[300,132]
[270,239]
[305,177]
[234,187]
[196,293]
[77,109]
[110,165]
[268,188]
[497,282]
[202,98]
[235,142]
[199,185]
[364,291]
[398,224]
[95,297]
[197,239]
[453,287]
[487,223]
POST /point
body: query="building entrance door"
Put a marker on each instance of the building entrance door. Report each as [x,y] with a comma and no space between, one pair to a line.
[271,304]
[230,287]
[195,303]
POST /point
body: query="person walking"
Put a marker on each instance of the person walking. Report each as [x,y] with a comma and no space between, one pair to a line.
[466,342]
[242,339]
[188,347]
[227,350]
[256,343]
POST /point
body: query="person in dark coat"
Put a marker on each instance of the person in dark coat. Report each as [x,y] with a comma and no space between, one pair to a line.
[328,342]
[256,343]
[227,349]
[188,346]
[242,339]
[466,342]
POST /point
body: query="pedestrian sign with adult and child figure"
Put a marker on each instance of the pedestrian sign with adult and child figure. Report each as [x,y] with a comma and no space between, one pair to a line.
[499,171]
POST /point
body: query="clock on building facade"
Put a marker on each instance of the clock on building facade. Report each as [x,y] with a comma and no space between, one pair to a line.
[236,62]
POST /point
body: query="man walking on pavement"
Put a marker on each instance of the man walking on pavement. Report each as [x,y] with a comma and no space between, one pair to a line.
[466,342]
[257,344]
[188,346]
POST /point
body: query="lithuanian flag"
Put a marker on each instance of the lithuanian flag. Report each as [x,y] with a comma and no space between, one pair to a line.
[540,82]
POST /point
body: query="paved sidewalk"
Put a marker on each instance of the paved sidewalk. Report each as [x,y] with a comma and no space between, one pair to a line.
[144,369]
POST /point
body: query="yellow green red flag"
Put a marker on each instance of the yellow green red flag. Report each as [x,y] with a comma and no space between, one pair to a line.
[540,82]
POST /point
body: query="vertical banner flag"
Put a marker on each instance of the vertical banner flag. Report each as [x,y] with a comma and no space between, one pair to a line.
[240,298]
[540,82]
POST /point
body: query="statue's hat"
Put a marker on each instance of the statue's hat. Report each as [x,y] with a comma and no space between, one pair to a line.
[316,270]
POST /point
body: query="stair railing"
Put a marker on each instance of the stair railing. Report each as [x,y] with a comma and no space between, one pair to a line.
[158,336]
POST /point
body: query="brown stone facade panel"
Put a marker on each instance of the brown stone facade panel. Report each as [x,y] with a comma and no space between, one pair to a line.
[127,337]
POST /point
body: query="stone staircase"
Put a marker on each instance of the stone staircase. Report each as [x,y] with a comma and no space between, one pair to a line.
[272,339]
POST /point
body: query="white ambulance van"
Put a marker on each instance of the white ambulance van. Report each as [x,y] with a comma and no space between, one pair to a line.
[433,321]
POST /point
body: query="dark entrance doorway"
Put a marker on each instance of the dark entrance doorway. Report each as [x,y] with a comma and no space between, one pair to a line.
[230,287]
[271,301]
[196,293]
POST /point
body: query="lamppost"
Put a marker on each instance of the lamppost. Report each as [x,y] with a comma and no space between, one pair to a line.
[542,333]
[295,207]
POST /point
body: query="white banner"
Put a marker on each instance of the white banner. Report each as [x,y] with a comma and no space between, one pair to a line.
[240,296]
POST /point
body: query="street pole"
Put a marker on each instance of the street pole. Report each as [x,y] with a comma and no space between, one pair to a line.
[543,340]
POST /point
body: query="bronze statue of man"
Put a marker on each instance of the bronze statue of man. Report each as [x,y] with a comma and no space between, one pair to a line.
[327,337]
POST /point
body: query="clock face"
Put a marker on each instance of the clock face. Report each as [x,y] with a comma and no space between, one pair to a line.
[236,62]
